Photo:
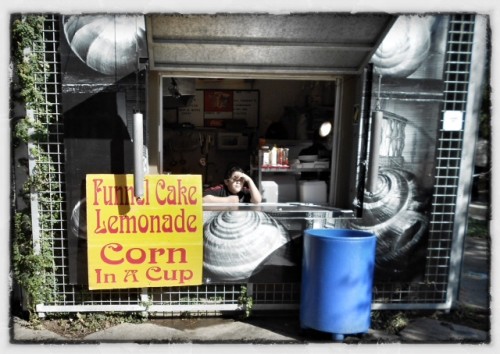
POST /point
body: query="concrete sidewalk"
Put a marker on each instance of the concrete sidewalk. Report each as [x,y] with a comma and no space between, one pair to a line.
[474,293]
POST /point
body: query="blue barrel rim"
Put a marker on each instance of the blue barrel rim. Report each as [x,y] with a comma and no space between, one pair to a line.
[342,233]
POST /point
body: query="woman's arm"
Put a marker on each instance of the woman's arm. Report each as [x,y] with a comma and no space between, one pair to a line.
[215,199]
[256,197]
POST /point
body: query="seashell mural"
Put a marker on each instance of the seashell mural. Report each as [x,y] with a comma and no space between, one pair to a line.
[394,214]
[108,44]
[78,220]
[405,47]
[237,243]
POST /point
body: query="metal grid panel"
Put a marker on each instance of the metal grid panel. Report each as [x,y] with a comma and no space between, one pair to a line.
[282,293]
[449,153]
[196,295]
[52,145]
[432,291]
[73,297]
[48,81]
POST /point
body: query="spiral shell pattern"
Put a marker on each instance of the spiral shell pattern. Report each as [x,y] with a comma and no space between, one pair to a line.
[396,192]
[394,213]
[78,220]
[107,43]
[405,47]
[237,243]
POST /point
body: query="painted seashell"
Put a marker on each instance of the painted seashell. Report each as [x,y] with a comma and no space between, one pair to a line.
[405,47]
[395,214]
[107,43]
[237,243]
[396,191]
[78,219]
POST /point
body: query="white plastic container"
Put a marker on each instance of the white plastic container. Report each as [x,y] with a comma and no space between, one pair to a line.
[312,192]
[274,156]
[269,191]
[265,156]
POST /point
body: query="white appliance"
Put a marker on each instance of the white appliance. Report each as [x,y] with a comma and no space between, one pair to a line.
[269,192]
[312,192]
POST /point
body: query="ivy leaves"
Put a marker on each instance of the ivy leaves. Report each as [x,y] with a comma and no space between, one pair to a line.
[33,260]
[27,36]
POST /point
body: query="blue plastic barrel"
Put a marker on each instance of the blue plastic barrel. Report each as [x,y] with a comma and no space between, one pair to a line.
[337,281]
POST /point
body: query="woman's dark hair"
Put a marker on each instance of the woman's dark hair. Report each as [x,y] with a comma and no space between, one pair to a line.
[231,170]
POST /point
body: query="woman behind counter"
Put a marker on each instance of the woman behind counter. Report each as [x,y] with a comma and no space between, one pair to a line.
[233,190]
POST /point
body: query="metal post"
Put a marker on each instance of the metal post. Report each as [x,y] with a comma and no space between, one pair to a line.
[138,156]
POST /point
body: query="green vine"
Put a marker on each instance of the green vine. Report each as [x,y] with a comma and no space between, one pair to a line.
[27,35]
[246,301]
[33,264]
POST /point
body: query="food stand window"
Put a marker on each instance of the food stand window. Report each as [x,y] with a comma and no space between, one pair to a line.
[436,290]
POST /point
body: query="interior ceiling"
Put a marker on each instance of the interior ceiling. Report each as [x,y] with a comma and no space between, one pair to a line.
[315,44]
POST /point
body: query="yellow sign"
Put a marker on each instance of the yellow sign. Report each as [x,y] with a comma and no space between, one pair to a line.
[149,242]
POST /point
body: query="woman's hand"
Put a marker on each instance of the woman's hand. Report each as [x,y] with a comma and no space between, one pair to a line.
[254,191]
[233,199]
[241,176]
